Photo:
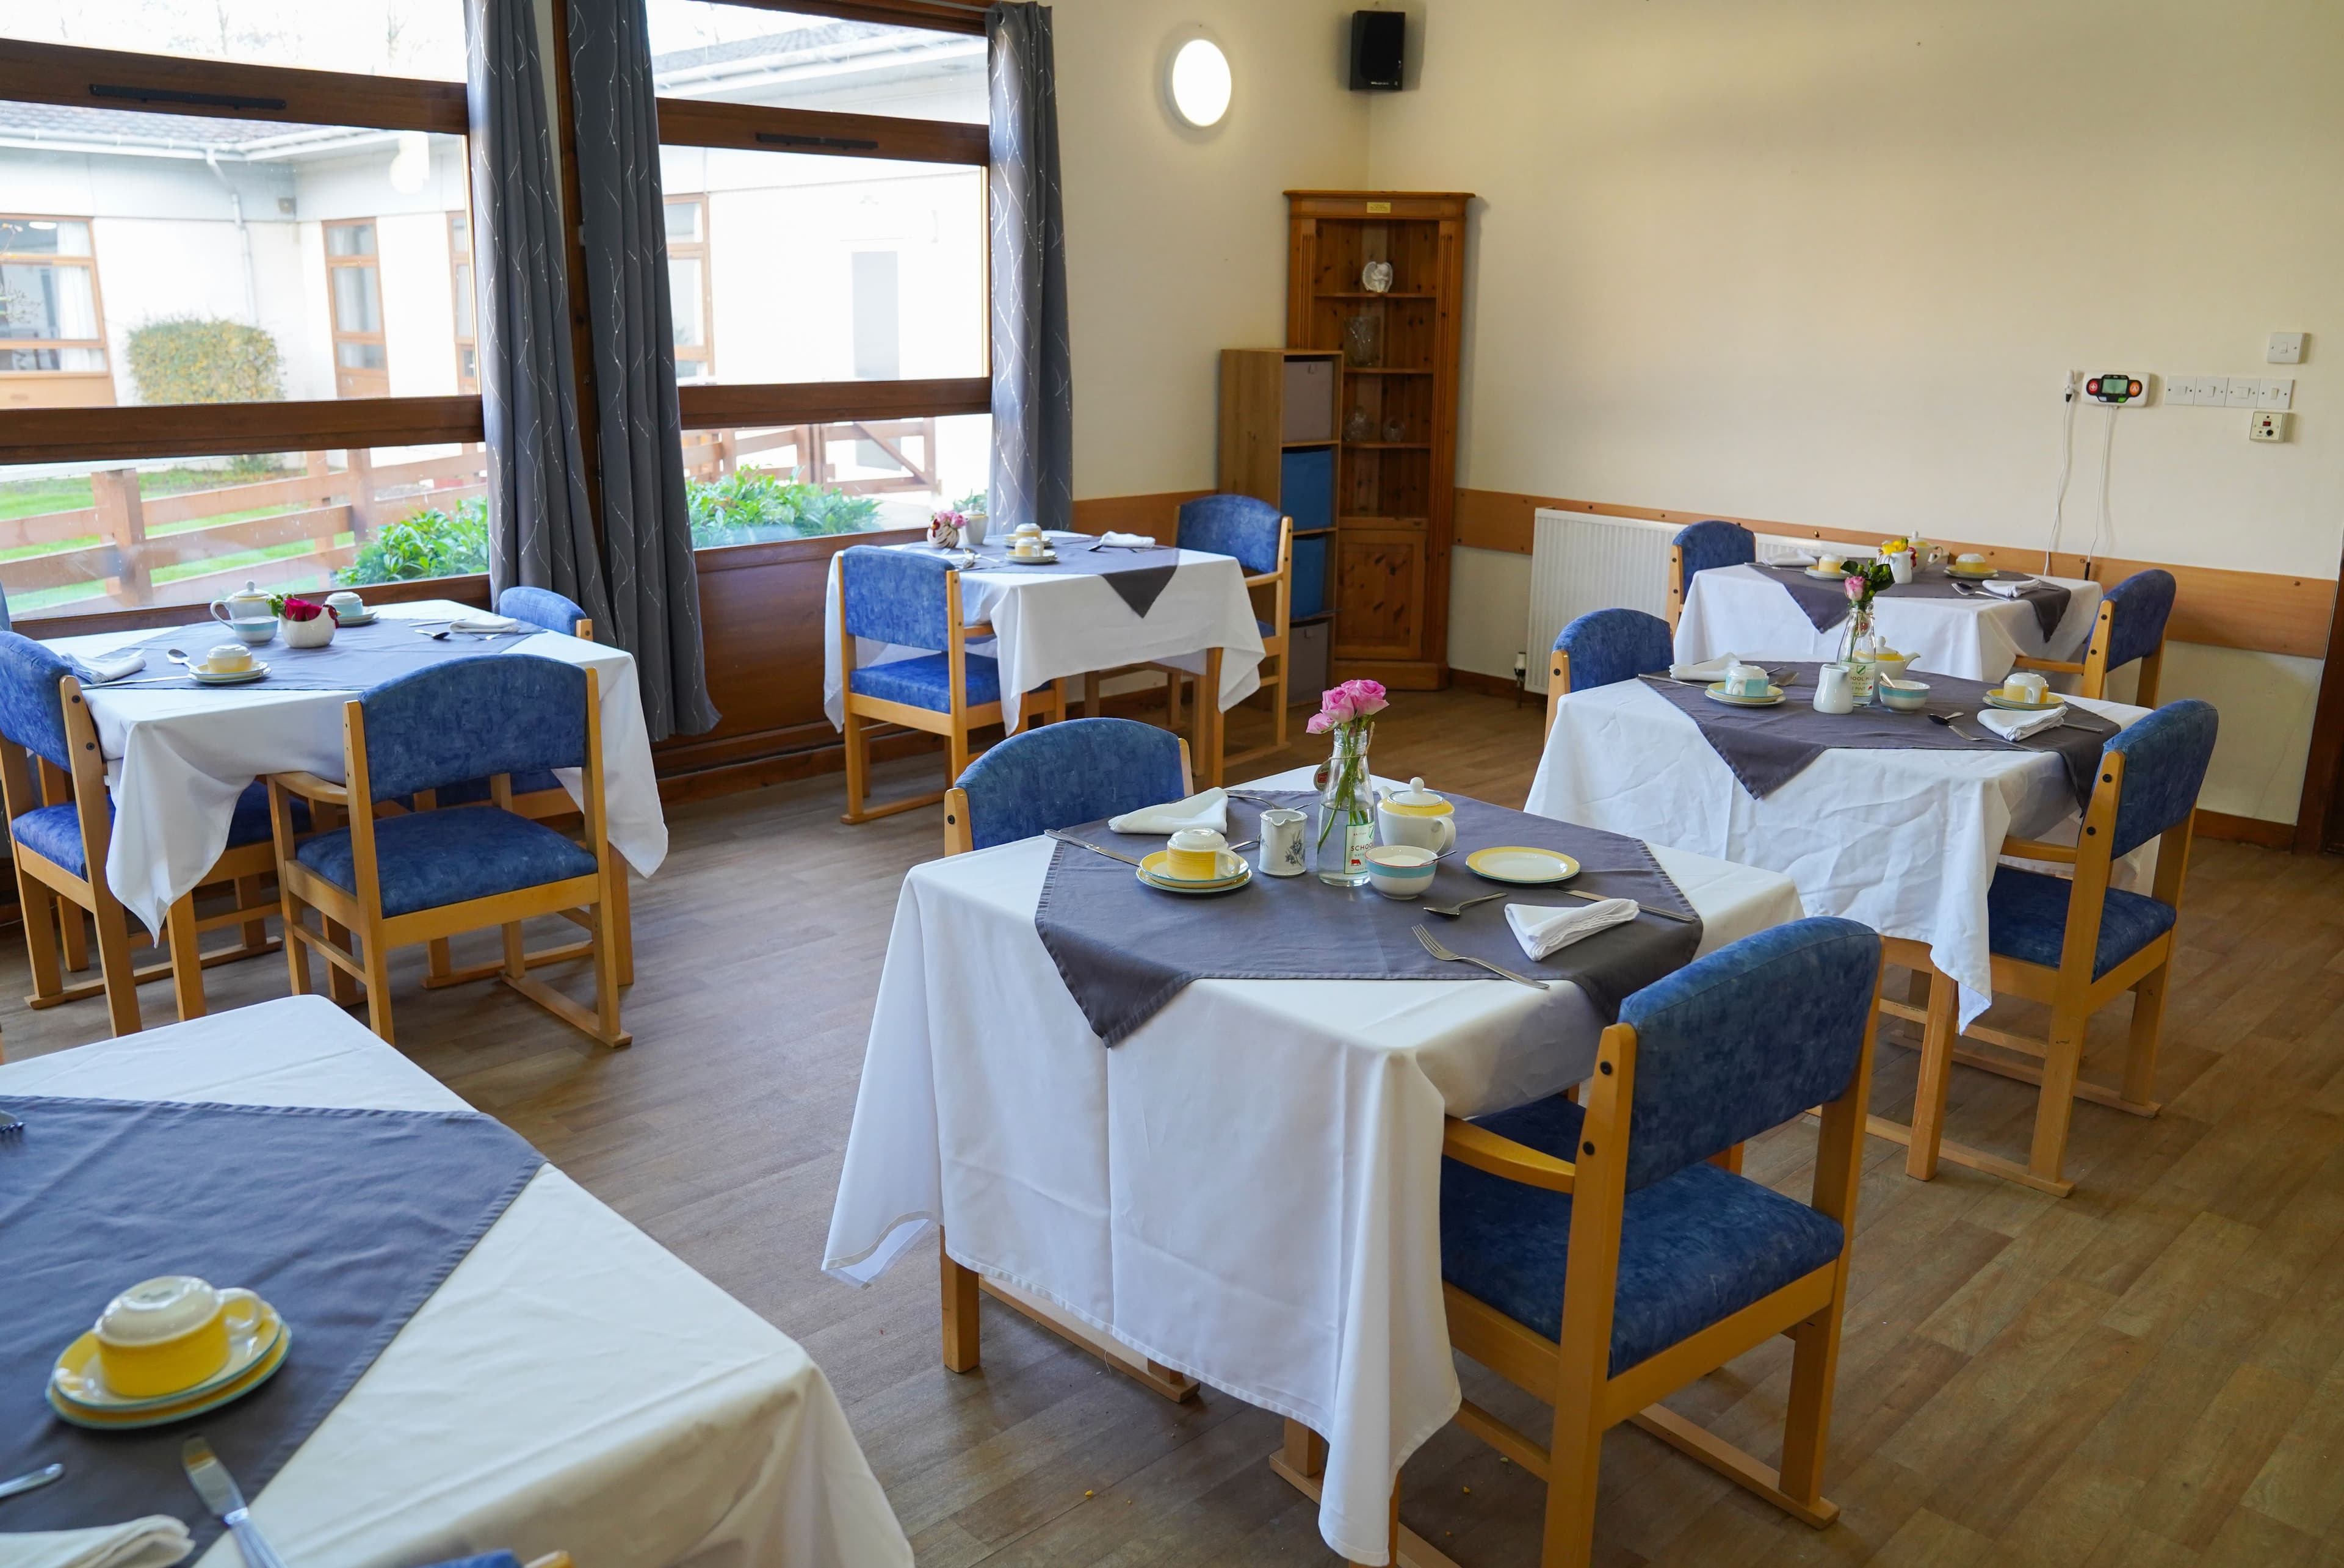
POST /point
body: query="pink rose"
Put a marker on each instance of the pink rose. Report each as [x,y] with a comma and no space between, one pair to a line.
[1319,725]
[1338,706]
[1366,697]
[1854,586]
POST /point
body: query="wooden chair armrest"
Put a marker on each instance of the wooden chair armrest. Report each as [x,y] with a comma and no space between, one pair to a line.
[981,629]
[1485,1150]
[2059,666]
[2035,849]
[1266,580]
[310,787]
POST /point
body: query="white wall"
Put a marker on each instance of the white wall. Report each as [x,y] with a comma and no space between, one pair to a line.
[1827,260]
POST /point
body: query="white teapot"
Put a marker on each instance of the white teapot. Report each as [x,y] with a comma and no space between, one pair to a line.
[249,602]
[1418,816]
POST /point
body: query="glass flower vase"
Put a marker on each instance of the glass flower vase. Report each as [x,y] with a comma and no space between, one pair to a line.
[1347,811]
[1860,654]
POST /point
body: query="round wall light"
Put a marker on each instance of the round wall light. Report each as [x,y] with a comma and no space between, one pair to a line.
[1198,83]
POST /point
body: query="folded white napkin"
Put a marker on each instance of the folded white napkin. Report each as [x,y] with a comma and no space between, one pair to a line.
[1790,558]
[1543,931]
[2016,727]
[99,668]
[2009,590]
[1208,809]
[1706,670]
[1111,536]
[484,622]
[155,1542]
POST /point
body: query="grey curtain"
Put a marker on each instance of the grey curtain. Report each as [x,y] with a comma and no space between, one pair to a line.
[654,589]
[541,530]
[1032,369]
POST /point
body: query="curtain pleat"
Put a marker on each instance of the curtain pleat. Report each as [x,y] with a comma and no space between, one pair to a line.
[1033,366]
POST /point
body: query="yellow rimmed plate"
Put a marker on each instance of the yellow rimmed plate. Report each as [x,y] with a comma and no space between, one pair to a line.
[1970,574]
[1717,693]
[1524,866]
[77,1378]
[1993,699]
[1154,871]
[254,1375]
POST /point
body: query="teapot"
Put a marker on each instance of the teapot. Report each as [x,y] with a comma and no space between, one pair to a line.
[1417,816]
[247,612]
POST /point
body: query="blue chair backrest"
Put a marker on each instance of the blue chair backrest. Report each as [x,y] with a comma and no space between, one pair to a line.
[1062,774]
[542,607]
[1608,646]
[1238,525]
[6,623]
[1715,543]
[2165,756]
[894,595]
[32,714]
[468,718]
[1745,1039]
[2142,602]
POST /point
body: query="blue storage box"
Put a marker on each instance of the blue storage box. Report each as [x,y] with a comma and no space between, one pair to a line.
[1310,597]
[1306,491]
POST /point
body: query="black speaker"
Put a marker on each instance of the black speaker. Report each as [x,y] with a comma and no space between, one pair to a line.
[1377,40]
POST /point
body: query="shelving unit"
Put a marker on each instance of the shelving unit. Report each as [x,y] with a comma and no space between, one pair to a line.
[1393,499]
[1278,442]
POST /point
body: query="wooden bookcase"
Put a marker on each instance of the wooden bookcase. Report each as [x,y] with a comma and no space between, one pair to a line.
[1396,484]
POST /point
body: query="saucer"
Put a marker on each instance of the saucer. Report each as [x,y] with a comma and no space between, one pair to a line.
[1826,576]
[1971,573]
[1718,693]
[186,1406]
[77,1379]
[228,678]
[1048,558]
[1995,699]
[369,619]
[1527,867]
[1151,871]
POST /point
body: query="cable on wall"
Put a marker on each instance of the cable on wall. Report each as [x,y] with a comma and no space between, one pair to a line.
[2066,465]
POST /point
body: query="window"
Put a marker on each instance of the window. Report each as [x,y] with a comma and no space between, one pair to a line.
[353,295]
[744,54]
[687,287]
[51,331]
[460,300]
[374,37]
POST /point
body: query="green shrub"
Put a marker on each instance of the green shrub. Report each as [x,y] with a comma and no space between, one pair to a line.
[189,360]
[427,543]
[752,504]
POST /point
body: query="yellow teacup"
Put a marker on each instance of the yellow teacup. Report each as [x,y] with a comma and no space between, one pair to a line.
[1194,853]
[169,1333]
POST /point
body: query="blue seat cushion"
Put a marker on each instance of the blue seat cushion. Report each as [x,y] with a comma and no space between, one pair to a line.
[1695,1248]
[926,682]
[475,790]
[55,831]
[432,858]
[2027,919]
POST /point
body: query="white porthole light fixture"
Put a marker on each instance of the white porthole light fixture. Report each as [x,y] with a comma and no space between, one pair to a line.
[1198,82]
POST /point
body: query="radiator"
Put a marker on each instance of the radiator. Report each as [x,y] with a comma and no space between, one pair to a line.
[1581,562]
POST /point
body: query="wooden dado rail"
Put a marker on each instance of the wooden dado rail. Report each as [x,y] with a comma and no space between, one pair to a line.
[2263,612]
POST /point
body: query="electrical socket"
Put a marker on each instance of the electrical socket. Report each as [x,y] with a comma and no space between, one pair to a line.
[2269,425]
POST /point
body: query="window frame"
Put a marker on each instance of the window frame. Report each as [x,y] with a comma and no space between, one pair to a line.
[703,353]
[355,261]
[462,297]
[88,263]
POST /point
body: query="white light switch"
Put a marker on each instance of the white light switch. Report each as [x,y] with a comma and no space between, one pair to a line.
[2275,393]
[2182,391]
[2238,392]
[2285,348]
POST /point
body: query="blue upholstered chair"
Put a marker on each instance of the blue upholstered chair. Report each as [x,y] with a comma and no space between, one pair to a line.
[2074,944]
[1701,546]
[421,875]
[1078,770]
[909,599]
[543,607]
[60,828]
[1603,1257]
[2130,626]
[1261,540]
[1602,648]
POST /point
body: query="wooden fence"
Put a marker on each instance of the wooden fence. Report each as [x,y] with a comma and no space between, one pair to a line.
[332,513]
[711,454]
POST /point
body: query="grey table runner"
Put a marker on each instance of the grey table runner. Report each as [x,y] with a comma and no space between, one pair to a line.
[1768,747]
[344,1220]
[1824,604]
[1125,951]
[358,659]
[1139,576]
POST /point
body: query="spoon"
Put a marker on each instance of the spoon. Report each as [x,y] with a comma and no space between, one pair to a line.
[30,1480]
[177,656]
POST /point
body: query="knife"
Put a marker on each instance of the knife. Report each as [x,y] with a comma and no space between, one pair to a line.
[217,1489]
[32,1479]
[1095,849]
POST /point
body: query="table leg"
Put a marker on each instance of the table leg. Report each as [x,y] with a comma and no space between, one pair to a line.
[959,1311]
[1301,1464]
[1210,723]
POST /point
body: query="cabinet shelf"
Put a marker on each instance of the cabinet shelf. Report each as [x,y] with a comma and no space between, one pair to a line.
[1389,446]
[1374,520]
[1387,294]
[1382,370]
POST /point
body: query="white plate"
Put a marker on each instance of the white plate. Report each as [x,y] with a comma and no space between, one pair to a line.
[1148,875]
[1526,867]
[1718,693]
[1827,576]
[238,678]
[1051,559]
[369,619]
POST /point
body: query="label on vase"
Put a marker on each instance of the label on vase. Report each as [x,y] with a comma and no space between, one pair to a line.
[1357,839]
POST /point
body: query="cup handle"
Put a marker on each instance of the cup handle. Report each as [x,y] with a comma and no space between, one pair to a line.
[1447,835]
[216,615]
[241,1309]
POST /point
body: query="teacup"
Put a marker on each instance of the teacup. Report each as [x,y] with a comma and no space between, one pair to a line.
[1030,545]
[346,604]
[168,1333]
[1400,870]
[1194,853]
[255,632]
[2025,686]
[227,659]
[1905,696]
[1747,680]
[1829,563]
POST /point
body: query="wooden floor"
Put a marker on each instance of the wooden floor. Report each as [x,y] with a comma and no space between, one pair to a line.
[2148,1374]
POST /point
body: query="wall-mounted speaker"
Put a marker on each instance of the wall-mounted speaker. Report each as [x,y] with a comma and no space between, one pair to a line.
[1378,38]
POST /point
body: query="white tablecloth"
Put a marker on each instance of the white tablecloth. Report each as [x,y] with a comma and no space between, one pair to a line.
[1049,626]
[1247,1189]
[177,759]
[1904,841]
[572,1386]
[1745,610]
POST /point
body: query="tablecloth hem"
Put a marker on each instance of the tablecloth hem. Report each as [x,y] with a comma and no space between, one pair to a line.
[895,1237]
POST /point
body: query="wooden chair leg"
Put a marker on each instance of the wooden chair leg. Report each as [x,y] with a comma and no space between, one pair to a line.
[606,972]
[1171,699]
[2147,1023]
[36,907]
[339,986]
[1943,999]
[1807,1425]
[960,1321]
[858,766]
[1569,1536]
[621,924]
[296,947]
[1278,711]
[516,956]
[2055,1106]
[376,962]
[187,957]
[957,751]
[113,961]
[248,896]
[1091,695]
[439,961]
[1728,1160]
[74,942]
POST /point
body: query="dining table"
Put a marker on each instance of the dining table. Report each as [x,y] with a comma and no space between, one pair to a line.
[568,1385]
[1100,606]
[1949,628]
[1244,1189]
[179,756]
[1905,840]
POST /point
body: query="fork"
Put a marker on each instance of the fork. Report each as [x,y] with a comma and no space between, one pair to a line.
[1434,947]
[1463,905]
[10,1125]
